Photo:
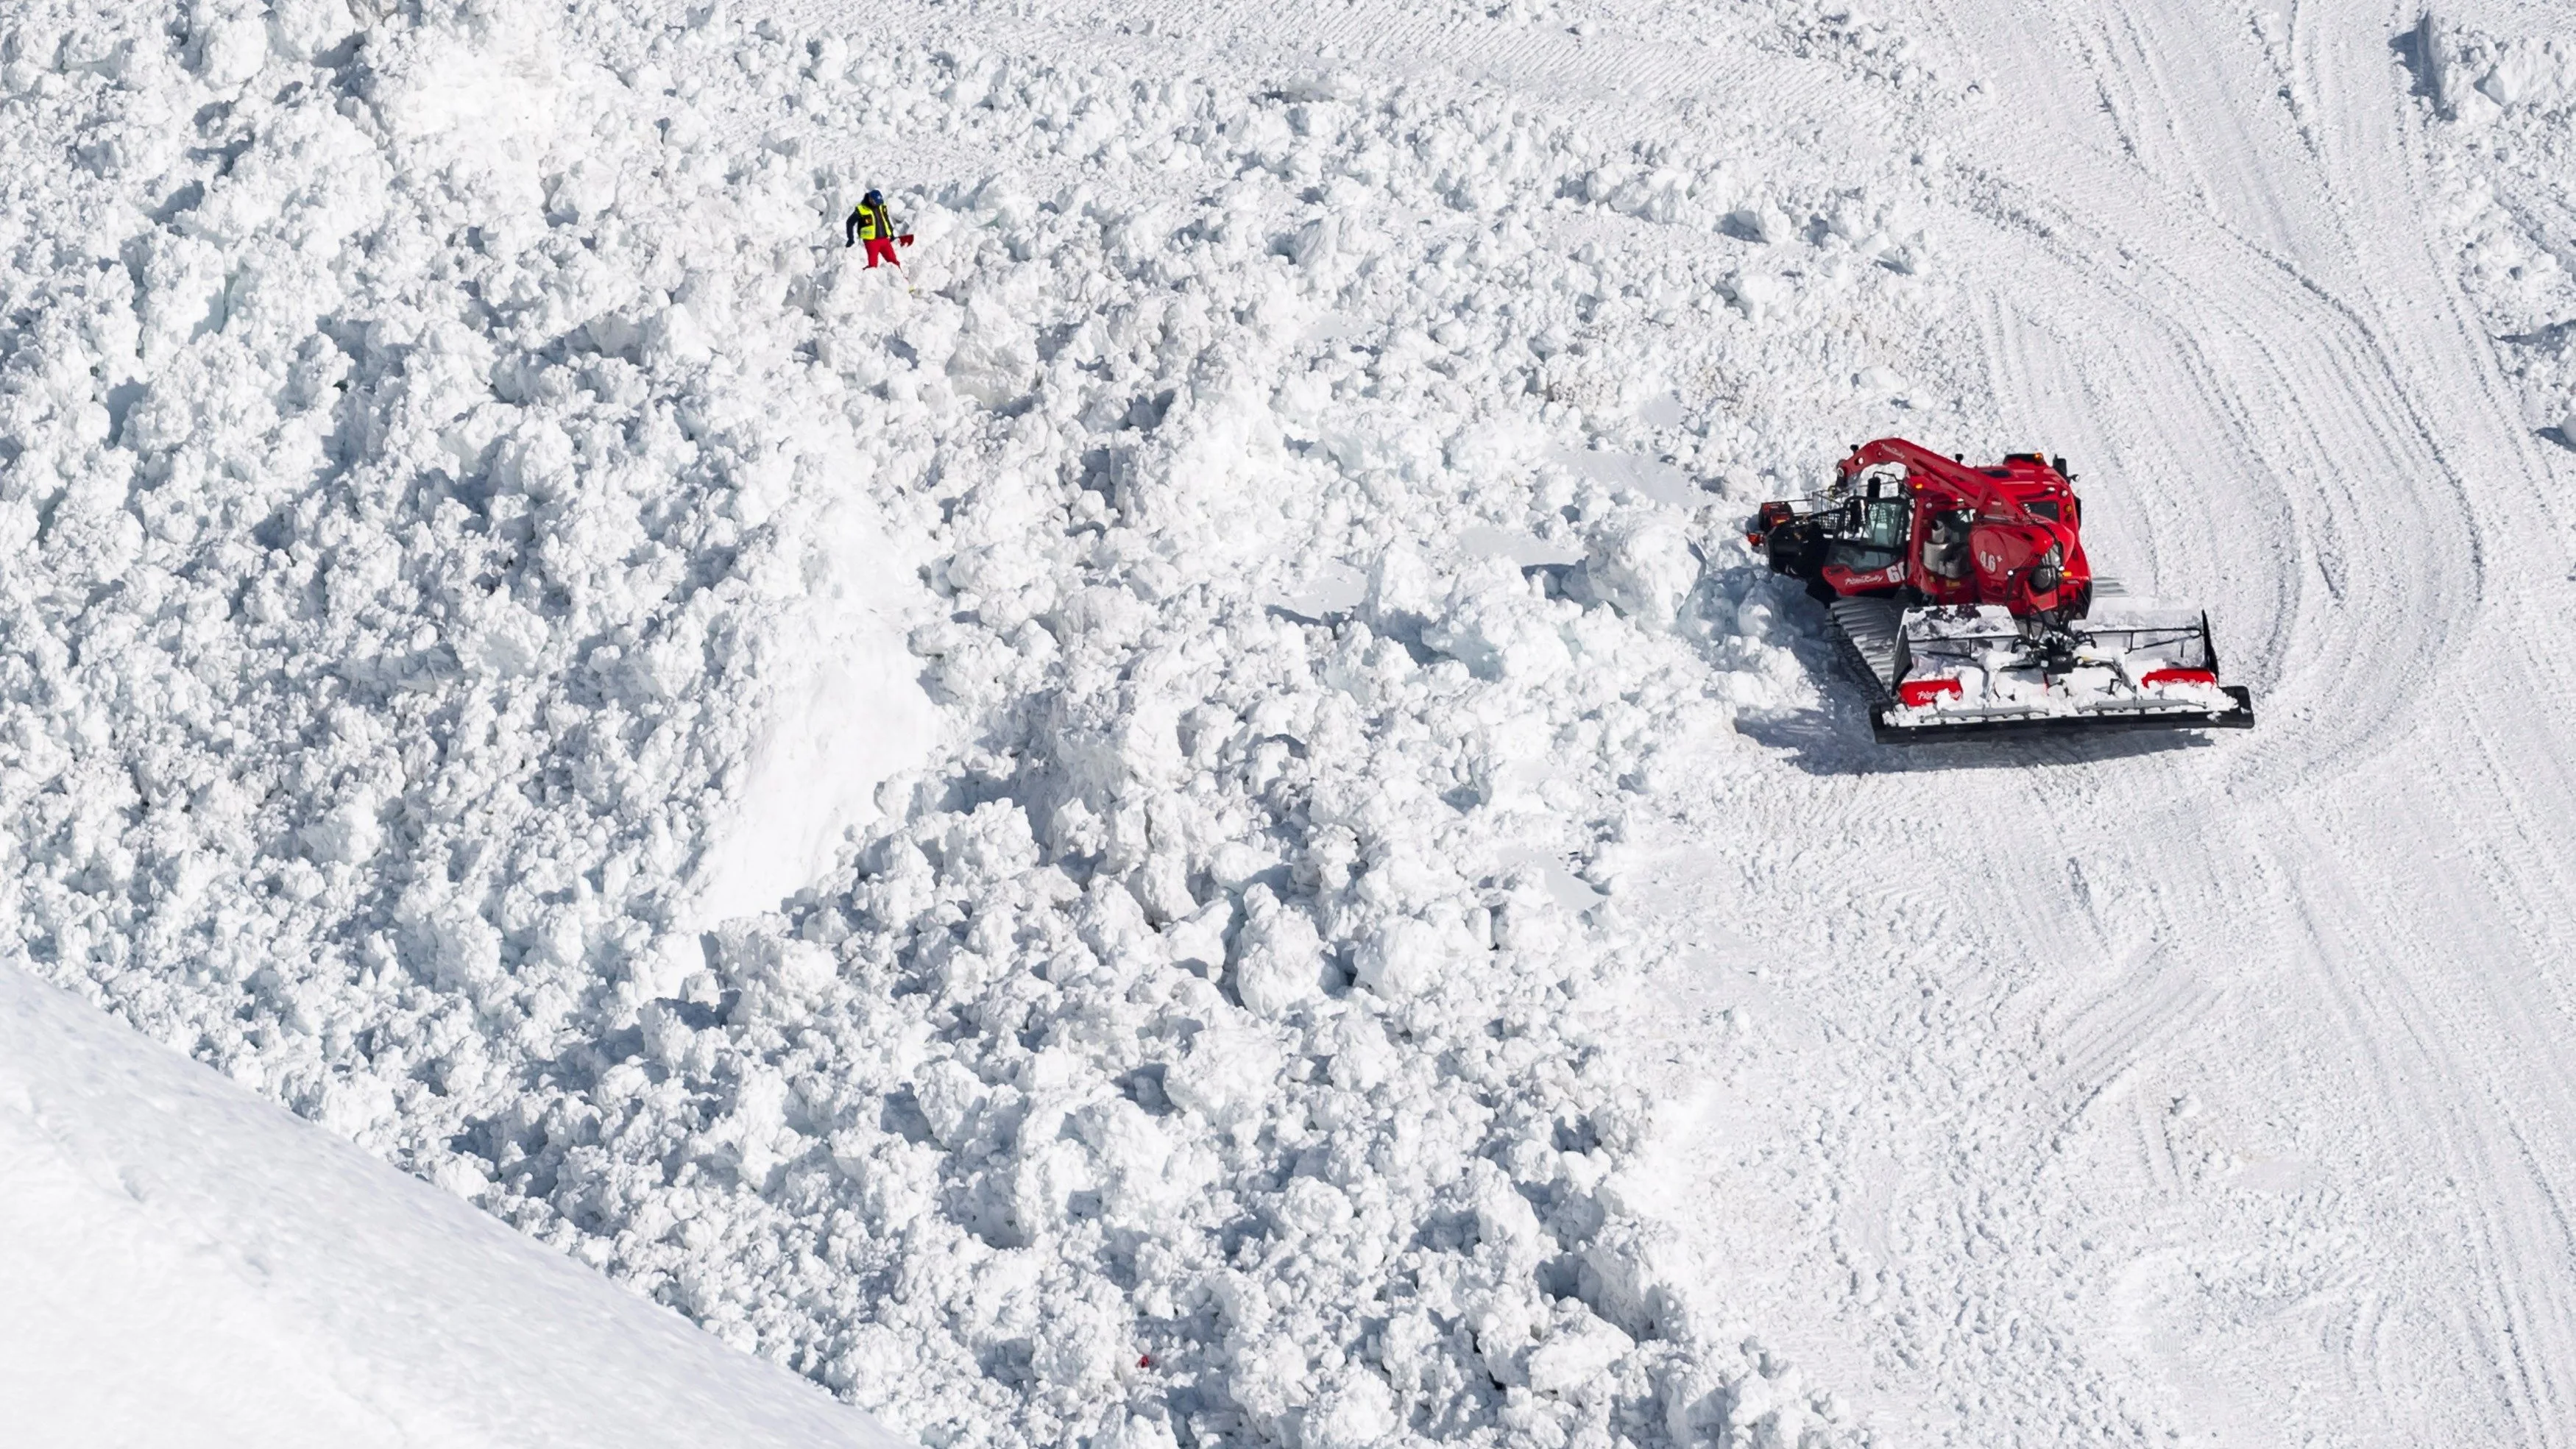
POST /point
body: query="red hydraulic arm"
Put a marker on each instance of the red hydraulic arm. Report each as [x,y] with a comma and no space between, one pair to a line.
[1972,484]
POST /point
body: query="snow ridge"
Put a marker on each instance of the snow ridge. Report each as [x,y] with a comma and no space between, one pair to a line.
[189,1265]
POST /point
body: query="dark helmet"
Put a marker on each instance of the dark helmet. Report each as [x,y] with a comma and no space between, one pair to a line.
[874,195]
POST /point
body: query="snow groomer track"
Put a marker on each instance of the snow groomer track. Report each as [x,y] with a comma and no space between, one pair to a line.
[1374,923]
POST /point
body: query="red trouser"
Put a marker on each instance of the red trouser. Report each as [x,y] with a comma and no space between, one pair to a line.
[881,249]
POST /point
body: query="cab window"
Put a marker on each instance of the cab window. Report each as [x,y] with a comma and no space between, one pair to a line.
[1883,522]
[1874,535]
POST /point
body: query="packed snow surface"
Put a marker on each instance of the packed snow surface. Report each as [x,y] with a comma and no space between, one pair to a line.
[187,1264]
[1185,821]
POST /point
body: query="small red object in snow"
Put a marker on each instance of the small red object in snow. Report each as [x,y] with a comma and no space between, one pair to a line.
[1146,1362]
[906,238]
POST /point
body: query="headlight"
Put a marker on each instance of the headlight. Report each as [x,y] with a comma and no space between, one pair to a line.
[2049,572]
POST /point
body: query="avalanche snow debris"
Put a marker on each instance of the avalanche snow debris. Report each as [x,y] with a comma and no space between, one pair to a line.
[436,464]
[2510,107]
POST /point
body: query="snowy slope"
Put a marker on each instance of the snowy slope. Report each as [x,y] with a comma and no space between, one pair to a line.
[186,1264]
[482,532]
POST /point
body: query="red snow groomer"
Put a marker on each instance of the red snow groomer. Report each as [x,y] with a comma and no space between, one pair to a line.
[1963,596]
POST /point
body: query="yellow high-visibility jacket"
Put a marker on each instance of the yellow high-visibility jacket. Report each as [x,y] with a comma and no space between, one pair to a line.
[871,223]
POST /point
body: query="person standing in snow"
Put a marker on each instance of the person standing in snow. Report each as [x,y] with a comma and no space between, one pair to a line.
[870,222]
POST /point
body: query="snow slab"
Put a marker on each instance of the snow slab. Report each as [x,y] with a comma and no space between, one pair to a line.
[187,1264]
[1526,550]
[849,715]
[1661,482]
